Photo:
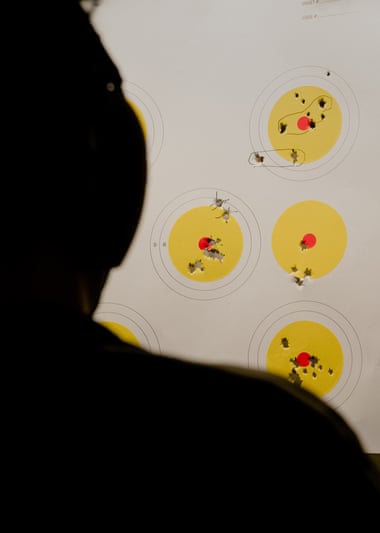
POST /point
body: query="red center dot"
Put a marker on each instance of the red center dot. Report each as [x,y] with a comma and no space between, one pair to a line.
[204,242]
[303,123]
[309,240]
[303,358]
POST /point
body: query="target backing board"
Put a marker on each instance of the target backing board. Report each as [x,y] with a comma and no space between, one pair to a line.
[258,241]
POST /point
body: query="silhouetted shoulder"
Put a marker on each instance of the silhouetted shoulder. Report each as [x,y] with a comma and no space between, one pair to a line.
[217,444]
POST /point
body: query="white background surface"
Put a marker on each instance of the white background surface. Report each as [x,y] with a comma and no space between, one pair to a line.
[198,67]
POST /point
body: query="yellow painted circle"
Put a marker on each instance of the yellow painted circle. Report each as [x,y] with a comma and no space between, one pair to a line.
[308,354]
[139,116]
[304,124]
[309,218]
[211,262]
[124,333]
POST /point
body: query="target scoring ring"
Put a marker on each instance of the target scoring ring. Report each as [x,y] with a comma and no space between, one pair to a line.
[192,201]
[130,323]
[325,316]
[332,88]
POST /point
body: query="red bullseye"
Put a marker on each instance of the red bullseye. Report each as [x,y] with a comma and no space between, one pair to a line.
[303,359]
[303,123]
[309,240]
[204,242]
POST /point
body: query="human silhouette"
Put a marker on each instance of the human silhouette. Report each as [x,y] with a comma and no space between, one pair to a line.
[99,433]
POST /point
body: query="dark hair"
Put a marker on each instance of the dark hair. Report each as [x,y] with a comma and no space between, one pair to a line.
[77,172]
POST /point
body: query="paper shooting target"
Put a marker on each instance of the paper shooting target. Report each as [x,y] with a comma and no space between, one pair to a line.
[205,244]
[303,124]
[128,325]
[313,346]
[309,239]
[150,118]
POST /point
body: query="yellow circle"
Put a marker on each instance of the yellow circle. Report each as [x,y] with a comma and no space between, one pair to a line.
[310,217]
[124,333]
[139,116]
[288,132]
[325,366]
[225,243]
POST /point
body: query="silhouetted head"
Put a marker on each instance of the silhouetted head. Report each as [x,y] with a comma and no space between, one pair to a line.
[75,153]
